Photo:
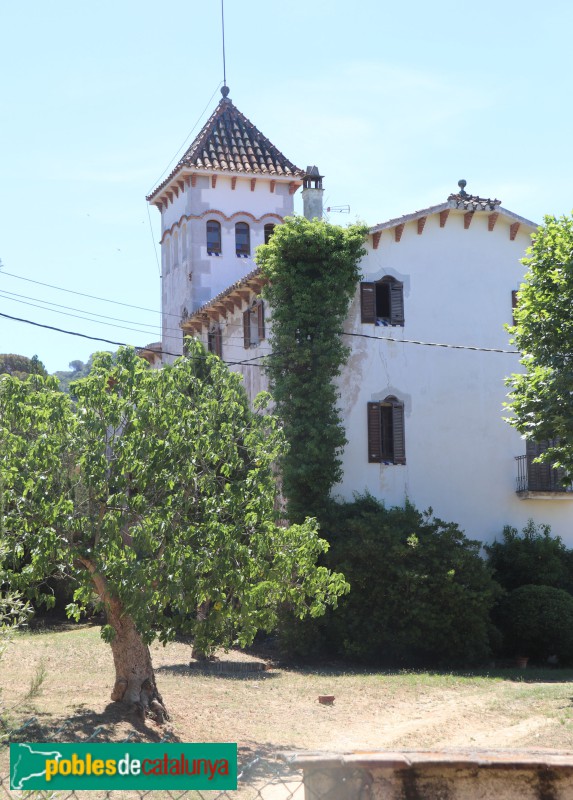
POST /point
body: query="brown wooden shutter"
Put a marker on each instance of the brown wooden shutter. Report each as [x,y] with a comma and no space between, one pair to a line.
[219,342]
[396,303]
[368,302]
[247,328]
[399,438]
[261,320]
[374,434]
[538,475]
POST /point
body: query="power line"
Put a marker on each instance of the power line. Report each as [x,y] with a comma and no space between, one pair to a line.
[200,117]
[5,292]
[434,344]
[44,303]
[82,294]
[155,329]
[153,240]
[118,344]
[79,316]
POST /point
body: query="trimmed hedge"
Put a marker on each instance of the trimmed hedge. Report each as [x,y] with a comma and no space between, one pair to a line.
[420,592]
[537,621]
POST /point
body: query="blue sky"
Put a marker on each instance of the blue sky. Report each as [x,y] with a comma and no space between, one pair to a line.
[394,104]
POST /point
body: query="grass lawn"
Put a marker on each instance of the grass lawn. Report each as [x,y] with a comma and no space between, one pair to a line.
[278,709]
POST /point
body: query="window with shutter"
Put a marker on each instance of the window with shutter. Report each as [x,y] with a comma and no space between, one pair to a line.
[368,302]
[386,439]
[247,328]
[261,320]
[382,303]
[254,324]
[215,341]
[542,477]
[374,434]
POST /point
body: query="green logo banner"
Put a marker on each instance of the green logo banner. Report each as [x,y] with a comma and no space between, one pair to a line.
[54,766]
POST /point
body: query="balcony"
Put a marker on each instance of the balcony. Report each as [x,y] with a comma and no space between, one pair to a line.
[540,481]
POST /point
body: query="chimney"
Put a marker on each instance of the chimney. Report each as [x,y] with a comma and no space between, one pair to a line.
[312,193]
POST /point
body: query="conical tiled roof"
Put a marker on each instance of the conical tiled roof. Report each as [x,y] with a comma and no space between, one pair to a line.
[229,142]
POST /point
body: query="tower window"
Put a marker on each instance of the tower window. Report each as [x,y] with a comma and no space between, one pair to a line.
[213,237]
[269,228]
[242,240]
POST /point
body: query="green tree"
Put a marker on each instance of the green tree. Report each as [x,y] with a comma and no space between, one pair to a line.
[533,556]
[154,487]
[20,366]
[420,592]
[541,397]
[537,621]
[313,270]
[77,370]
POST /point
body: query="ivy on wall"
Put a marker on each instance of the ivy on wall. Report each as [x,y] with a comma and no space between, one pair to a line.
[312,268]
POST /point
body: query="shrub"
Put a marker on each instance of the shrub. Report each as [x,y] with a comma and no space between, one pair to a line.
[531,557]
[537,621]
[420,592]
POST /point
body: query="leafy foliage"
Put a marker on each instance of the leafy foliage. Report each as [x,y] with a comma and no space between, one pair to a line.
[537,621]
[313,270]
[157,484]
[532,557]
[21,366]
[420,592]
[77,370]
[541,396]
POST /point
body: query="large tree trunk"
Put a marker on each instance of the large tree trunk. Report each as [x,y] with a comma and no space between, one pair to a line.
[134,675]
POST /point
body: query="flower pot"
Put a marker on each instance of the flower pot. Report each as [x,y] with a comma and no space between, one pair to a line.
[326,699]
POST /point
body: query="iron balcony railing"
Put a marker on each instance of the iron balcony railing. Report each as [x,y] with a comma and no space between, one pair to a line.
[533,477]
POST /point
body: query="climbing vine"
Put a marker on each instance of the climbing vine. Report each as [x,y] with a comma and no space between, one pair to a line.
[312,269]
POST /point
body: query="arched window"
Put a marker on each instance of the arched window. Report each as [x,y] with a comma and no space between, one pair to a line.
[382,303]
[386,440]
[213,237]
[184,242]
[242,240]
[269,228]
[175,249]
[167,255]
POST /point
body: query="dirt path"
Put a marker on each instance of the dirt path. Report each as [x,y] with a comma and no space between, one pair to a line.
[278,710]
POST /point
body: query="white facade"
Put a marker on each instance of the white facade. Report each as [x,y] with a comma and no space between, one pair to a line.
[460,453]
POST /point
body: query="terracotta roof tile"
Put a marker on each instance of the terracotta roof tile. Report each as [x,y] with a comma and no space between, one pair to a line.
[231,143]
[471,202]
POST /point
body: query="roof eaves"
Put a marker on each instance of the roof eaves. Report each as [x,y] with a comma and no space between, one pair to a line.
[426,212]
[242,283]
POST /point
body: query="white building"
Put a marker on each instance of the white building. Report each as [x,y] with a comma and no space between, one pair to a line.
[422,393]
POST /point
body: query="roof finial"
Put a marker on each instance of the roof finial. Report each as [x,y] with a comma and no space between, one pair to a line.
[462,184]
[224,87]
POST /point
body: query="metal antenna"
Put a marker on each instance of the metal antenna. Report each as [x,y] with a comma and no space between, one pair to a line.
[223,30]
